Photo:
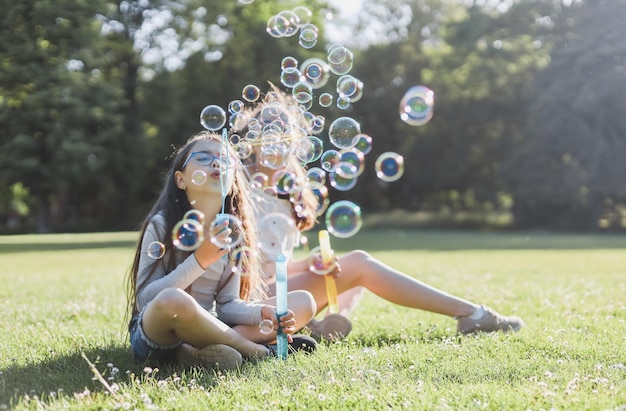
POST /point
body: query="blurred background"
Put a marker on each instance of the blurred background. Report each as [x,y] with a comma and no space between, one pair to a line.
[528,131]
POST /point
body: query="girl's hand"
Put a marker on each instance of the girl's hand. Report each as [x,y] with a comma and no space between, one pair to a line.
[209,252]
[337,268]
[287,321]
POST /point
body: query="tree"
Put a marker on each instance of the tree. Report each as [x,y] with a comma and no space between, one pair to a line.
[47,130]
[570,169]
[478,60]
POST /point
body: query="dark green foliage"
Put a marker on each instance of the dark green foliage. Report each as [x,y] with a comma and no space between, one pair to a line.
[569,171]
[528,103]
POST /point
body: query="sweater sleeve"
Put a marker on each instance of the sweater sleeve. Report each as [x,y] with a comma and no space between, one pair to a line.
[181,277]
[230,308]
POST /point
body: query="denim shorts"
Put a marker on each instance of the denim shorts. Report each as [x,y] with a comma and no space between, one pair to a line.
[147,350]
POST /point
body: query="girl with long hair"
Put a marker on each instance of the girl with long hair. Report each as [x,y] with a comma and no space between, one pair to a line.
[204,305]
[356,270]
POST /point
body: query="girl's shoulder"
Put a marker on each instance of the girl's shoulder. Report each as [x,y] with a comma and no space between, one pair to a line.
[157,223]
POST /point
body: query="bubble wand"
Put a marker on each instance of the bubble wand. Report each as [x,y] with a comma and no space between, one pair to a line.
[281,304]
[327,260]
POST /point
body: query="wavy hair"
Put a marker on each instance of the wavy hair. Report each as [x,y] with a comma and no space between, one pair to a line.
[286,109]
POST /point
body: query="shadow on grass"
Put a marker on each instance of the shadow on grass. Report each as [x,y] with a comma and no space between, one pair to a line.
[62,246]
[70,375]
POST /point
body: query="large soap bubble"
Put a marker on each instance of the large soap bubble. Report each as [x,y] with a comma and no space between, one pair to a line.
[343,219]
[416,106]
[343,132]
[213,117]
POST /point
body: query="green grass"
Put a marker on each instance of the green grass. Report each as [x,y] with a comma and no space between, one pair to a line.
[62,296]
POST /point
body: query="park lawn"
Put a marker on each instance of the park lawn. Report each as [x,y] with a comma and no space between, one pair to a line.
[62,302]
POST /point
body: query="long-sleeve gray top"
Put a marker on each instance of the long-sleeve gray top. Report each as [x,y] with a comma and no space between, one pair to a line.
[203,285]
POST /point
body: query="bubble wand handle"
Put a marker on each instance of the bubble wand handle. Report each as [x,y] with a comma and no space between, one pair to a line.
[327,260]
[281,304]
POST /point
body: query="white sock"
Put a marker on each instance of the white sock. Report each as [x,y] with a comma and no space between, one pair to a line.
[478,313]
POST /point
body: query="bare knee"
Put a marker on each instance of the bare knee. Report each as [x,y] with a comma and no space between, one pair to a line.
[175,303]
[357,256]
[304,305]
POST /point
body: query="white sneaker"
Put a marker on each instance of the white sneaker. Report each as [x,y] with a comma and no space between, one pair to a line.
[489,322]
[333,327]
[213,356]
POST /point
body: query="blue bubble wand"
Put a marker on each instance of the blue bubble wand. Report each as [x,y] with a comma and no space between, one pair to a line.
[281,304]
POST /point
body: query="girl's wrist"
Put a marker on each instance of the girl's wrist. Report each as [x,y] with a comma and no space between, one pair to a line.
[204,267]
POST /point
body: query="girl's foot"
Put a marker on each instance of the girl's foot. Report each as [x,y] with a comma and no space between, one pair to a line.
[487,320]
[333,327]
[213,356]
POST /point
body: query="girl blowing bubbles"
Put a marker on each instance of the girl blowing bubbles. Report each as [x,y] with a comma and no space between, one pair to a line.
[199,307]
[356,270]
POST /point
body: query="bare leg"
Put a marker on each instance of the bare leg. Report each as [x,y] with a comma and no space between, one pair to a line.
[358,268]
[302,304]
[174,315]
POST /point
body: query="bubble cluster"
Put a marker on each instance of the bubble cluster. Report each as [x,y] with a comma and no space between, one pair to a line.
[282,135]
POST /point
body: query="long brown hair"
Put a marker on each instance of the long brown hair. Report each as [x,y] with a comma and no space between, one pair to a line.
[173,204]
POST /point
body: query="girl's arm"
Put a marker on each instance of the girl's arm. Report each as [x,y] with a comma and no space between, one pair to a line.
[181,277]
[297,266]
[230,308]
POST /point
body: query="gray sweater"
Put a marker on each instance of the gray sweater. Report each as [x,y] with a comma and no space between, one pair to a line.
[203,283]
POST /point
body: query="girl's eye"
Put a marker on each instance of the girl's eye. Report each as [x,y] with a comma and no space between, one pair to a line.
[204,158]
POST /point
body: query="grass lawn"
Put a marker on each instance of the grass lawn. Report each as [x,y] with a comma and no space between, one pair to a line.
[62,297]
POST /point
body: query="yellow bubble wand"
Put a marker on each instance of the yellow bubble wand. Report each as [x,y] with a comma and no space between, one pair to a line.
[327,259]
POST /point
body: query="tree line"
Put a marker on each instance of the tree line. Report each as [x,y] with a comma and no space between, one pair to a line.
[529,103]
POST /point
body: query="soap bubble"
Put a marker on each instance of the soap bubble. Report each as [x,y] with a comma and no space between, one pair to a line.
[308,36]
[340,59]
[156,250]
[194,214]
[343,177]
[266,326]
[317,265]
[343,219]
[288,62]
[329,159]
[316,72]
[363,143]
[389,166]
[187,235]
[251,93]
[290,76]
[285,181]
[213,117]
[325,99]
[354,157]
[316,177]
[343,132]
[237,257]
[303,13]
[226,231]
[276,228]
[236,106]
[199,177]
[416,106]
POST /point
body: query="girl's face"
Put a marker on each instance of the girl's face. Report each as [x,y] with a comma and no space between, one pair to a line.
[207,168]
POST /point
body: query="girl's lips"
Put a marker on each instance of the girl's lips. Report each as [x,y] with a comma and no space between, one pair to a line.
[215,174]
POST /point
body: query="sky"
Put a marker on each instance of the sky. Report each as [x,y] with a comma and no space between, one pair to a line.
[338,30]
